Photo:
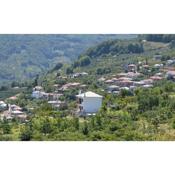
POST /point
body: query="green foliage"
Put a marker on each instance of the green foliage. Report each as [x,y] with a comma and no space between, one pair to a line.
[24,56]
[26,134]
[57,66]
[159,37]
[6,127]
[85,129]
[101,71]
[69,70]
[114,47]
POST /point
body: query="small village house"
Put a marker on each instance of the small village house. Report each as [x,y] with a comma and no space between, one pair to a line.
[89,102]
[3,105]
[57,104]
[132,68]
[14,111]
[147,86]
[145,67]
[79,74]
[37,94]
[156,78]
[170,62]
[170,75]
[158,66]
[113,88]
[38,88]
[101,79]
[69,86]
[109,81]
[157,57]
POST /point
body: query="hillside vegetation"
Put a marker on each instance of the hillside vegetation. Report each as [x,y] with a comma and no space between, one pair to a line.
[25,56]
[165,38]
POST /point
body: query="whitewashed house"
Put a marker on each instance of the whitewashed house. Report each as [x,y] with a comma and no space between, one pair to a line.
[37,94]
[113,88]
[170,62]
[157,66]
[89,102]
[57,104]
[3,104]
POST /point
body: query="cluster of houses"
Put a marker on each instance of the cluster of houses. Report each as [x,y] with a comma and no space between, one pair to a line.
[52,98]
[169,62]
[89,102]
[131,79]
[39,93]
[10,112]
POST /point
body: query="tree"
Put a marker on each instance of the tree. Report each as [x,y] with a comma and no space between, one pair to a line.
[26,134]
[3,88]
[6,127]
[46,127]
[14,83]
[85,129]
[101,71]
[57,66]
[69,70]
[84,61]
[35,82]
[76,123]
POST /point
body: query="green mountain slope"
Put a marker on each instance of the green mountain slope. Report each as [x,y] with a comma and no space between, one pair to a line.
[24,56]
[110,57]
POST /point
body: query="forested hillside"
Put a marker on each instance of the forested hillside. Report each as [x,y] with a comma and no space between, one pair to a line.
[165,38]
[114,47]
[112,55]
[25,56]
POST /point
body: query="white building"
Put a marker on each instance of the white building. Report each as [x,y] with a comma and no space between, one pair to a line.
[57,104]
[89,102]
[2,105]
[37,94]
[38,88]
[157,66]
[170,75]
[113,88]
